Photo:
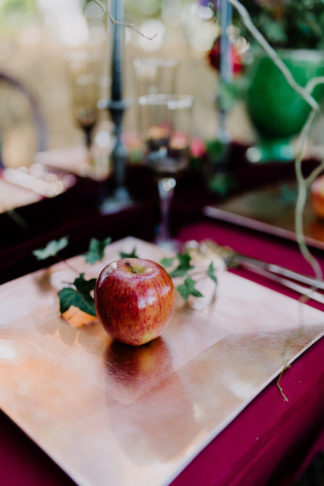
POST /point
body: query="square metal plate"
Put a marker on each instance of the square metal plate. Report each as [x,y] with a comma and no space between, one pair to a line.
[110,414]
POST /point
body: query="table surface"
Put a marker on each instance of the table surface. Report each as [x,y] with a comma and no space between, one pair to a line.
[280,438]
[261,445]
[209,364]
[271,209]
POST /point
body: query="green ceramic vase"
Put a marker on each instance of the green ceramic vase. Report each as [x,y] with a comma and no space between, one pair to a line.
[276,110]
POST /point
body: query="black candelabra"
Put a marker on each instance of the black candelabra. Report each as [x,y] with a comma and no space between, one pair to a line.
[116,106]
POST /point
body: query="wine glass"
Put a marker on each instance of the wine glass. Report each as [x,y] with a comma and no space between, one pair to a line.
[85,98]
[154,75]
[85,91]
[166,125]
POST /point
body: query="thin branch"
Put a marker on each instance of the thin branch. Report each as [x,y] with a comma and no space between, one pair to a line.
[102,8]
[131,26]
[107,15]
[301,200]
[302,183]
[304,134]
[312,83]
[316,172]
[305,94]
[278,383]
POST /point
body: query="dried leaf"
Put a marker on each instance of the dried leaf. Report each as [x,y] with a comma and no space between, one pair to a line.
[76,317]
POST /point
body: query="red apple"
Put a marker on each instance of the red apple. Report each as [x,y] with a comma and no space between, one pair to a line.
[134,300]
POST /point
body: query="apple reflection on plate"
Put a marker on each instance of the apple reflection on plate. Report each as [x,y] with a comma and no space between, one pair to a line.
[152,402]
[132,370]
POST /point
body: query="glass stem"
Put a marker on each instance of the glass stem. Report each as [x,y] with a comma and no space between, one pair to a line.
[166,190]
[87,137]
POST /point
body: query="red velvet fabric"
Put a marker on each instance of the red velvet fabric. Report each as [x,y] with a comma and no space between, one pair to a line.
[270,443]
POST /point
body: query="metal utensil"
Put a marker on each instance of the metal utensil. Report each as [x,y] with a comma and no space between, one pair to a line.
[272,271]
[280,271]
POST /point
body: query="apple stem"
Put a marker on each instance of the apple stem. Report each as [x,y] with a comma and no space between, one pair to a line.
[130,266]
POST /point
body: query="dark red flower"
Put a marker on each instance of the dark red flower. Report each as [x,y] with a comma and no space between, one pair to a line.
[213,56]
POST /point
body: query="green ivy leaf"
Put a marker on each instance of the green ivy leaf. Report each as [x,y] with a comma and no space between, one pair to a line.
[96,250]
[167,262]
[211,272]
[183,267]
[51,249]
[84,286]
[133,254]
[188,288]
[79,296]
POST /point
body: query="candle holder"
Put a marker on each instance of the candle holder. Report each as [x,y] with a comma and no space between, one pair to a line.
[116,106]
[225,67]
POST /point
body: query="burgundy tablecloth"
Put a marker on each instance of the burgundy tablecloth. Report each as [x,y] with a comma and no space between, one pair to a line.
[271,442]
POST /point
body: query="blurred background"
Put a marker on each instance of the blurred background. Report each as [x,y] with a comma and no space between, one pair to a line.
[40,37]
[55,65]
[41,40]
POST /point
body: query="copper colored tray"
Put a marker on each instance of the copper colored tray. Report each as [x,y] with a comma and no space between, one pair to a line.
[109,414]
[270,210]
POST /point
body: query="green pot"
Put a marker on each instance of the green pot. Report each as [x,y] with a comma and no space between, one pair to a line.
[276,110]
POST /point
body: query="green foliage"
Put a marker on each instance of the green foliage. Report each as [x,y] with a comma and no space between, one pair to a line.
[51,249]
[183,267]
[296,24]
[79,295]
[167,262]
[132,254]
[96,250]
[188,288]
